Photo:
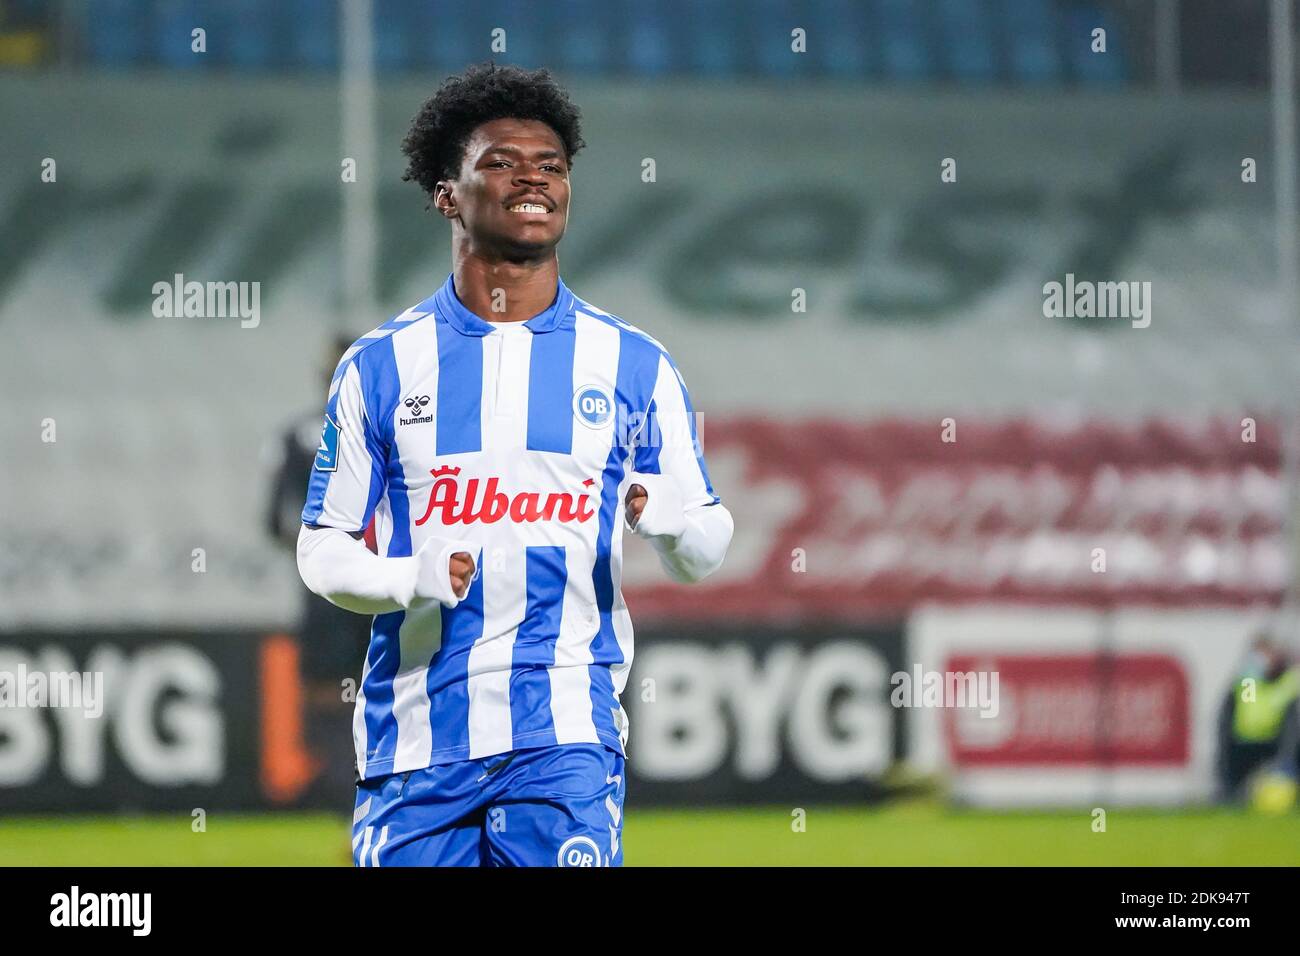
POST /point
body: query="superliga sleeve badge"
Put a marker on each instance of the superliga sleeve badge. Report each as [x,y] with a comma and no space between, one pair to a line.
[327,454]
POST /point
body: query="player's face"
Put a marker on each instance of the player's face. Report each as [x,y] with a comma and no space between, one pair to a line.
[512,195]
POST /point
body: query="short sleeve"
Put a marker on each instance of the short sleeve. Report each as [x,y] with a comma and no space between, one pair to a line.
[348,476]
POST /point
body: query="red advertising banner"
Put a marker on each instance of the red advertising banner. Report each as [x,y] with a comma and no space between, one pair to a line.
[1096,710]
[845,519]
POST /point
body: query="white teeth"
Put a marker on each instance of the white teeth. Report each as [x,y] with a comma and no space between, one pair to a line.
[527,207]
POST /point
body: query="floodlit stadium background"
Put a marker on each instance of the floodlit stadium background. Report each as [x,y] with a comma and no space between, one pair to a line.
[841,310]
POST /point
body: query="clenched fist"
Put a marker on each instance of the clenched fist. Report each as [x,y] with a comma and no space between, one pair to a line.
[635,501]
[654,506]
[461,571]
[444,570]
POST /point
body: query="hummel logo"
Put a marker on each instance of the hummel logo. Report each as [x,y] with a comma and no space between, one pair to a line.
[415,405]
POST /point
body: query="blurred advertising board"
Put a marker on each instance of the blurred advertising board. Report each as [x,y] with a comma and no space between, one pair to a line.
[220,721]
[1108,708]
[763,714]
[1092,707]
[141,721]
[853,519]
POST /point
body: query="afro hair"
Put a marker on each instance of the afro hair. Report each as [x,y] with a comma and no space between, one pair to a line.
[435,144]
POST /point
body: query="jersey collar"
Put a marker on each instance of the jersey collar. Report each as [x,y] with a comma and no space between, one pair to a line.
[449,306]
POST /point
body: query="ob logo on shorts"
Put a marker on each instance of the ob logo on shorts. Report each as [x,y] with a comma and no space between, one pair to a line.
[578,851]
[592,406]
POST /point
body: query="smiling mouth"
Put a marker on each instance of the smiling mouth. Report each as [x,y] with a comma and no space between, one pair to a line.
[529,207]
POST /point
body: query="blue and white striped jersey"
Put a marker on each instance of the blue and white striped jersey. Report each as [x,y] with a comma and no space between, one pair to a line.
[520,437]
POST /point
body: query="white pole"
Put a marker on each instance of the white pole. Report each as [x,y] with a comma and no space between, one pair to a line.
[1282,38]
[358,135]
[1281,30]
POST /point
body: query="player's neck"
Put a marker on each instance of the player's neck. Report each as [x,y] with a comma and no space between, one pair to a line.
[506,291]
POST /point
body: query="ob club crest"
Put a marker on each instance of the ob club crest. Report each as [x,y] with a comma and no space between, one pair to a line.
[593,406]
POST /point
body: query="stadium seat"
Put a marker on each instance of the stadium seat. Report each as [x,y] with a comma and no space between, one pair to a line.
[582,35]
[174,20]
[841,42]
[451,37]
[314,39]
[440,41]
[1087,67]
[1032,38]
[769,27]
[650,38]
[1031,42]
[905,52]
[966,31]
[712,38]
[526,24]
[251,39]
[120,29]
[394,35]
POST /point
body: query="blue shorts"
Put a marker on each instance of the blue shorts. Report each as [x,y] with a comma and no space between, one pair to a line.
[550,806]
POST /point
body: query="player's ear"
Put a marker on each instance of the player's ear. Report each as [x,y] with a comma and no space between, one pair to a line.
[444,200]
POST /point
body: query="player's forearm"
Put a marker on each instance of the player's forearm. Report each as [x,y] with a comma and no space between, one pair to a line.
[700,549]
[346,573]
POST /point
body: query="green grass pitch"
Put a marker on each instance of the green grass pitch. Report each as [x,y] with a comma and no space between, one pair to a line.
[919,833]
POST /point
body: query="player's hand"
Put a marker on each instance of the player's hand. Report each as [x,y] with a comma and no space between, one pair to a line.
[653,506]
[444,569]
[635,501]
[460,570]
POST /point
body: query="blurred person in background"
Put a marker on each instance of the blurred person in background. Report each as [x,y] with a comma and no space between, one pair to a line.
[332,641]
[26,34]
[1259,720]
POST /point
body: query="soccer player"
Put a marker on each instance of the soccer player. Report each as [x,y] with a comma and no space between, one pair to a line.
[503,434]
